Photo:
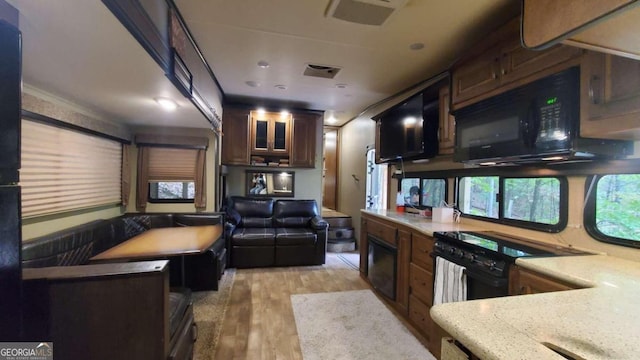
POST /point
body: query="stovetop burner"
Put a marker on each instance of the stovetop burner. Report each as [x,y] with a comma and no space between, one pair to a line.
[491,242]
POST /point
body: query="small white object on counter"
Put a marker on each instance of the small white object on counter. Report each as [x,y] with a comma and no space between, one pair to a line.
[442,214]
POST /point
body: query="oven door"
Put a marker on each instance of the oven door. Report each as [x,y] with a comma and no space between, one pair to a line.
[479,284]
[482,286]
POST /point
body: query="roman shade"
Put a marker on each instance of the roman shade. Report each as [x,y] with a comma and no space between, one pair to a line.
[65,170]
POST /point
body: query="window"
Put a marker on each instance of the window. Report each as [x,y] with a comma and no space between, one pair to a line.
[64,170]
[422,192]
[612,208]
[532,199]
[409,192]
[174,191]
[171,173]
[538,203]
[478,195]
[433,192]
[171,169]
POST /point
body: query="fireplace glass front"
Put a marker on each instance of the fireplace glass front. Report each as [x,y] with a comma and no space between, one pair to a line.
[382,266]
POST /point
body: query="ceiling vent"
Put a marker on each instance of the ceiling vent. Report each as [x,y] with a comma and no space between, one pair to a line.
[366,12]
[321,71]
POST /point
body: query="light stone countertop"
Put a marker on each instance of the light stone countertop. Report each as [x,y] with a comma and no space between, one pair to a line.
[601,321]
[420,223]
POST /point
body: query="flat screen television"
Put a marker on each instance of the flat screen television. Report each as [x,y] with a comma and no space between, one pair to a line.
[409,130]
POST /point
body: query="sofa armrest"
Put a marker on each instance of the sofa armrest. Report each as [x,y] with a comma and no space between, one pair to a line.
[318,223]
[228,228]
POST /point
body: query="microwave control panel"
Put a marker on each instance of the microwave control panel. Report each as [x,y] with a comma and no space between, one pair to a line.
[552,126]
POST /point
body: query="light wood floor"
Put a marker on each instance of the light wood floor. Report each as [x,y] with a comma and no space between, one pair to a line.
[259,323]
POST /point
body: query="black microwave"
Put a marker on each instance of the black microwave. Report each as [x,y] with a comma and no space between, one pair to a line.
[539,121]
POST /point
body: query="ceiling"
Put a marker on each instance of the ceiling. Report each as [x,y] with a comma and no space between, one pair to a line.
[79,51]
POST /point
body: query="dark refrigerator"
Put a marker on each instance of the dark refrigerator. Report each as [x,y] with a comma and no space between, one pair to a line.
[10,226]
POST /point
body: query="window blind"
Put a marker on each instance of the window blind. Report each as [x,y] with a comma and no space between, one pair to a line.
[65,170]
[169,164]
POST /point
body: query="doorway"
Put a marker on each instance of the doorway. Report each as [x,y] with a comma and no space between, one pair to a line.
[376,190]
[330,168]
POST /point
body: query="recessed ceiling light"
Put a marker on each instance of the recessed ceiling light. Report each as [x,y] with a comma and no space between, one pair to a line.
[341,86]
[252,83]
[416,46]
[261,111]
[263,64]
[280,86]
[284,113]
[332,120]
[166,103]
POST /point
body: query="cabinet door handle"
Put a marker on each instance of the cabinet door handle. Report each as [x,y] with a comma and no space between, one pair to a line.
[594,89]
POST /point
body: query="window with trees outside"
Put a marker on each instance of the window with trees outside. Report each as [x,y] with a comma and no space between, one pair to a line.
[538,202]
[422,192]
[612,211]
[172,191]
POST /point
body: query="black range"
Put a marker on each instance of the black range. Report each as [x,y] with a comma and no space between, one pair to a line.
[486,257]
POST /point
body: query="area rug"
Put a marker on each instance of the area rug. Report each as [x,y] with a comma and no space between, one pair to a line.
[209,308]
[352,325]
[351,259]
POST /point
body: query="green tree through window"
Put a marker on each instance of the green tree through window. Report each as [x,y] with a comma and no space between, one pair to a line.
[618,206]
[528,202]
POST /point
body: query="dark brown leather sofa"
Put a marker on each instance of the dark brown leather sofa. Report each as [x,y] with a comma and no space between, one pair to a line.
[265,232]
[140,313]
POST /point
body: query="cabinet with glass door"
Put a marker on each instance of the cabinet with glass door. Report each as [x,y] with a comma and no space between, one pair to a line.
[270,133]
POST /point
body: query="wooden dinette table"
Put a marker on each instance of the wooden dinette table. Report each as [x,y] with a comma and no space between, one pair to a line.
[162,243]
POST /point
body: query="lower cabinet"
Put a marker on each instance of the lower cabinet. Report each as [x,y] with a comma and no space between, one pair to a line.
[414,274]
[524,282]
[419,316]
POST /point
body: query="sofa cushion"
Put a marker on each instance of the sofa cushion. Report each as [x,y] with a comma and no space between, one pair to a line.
[72,246]
[253,212]
[295,236]
[197,219]
[256,222]
[135,225]
[294,213]
[253,237]
[179,301]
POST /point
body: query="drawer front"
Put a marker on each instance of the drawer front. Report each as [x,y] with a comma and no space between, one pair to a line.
[382,231]
[421,249]
[421,284]
[419,315]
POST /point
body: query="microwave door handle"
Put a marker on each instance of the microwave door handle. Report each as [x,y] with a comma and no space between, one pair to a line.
[532,125]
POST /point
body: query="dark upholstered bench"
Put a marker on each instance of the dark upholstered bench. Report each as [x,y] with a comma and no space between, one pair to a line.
[262,232]
[72,248]
[76,245]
